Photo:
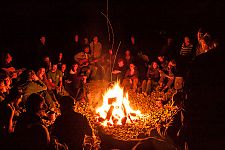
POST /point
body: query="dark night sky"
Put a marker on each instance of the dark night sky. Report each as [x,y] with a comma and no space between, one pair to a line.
[22,22]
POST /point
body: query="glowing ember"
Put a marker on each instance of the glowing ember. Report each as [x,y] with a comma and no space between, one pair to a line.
[115,109]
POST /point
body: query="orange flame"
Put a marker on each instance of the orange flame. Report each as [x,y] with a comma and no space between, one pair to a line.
[118,109]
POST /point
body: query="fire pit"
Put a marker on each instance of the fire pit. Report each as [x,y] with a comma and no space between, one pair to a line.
[126,116]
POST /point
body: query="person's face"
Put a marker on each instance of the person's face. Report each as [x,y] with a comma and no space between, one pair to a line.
[42,71]
[186,40]
[54,67]
[86,41]
[3,88]
[169,41]
[154,65]
[43,39]
[34,76]
[63,67]
[60,55]
[131,66]
[86,50]
[170,64]
[121,63]
[8,81]
[160,59]
[110,52]
[132,40]
[76,38]
[8,58]
[75,67]
[95,39]
[127,53]
[46,59]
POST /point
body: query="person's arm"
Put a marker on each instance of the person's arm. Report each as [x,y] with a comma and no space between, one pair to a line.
[9,123]
[49,77]
[148,73]
[60,82]
[100,47]
[10,69]
[181,50]
[35,87]
[79,57]
[60,79]
[92,49]
[135,75]
[116,71]
[199,35]
[127,74]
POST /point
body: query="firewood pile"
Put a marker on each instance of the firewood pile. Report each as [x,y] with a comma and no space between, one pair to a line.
[154,116]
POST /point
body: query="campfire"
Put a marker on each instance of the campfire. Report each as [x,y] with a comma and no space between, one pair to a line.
[116,109]
[141,114]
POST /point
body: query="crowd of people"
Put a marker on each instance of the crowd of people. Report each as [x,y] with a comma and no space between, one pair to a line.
[55,83]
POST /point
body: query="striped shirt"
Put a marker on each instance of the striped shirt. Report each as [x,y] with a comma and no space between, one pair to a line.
[186,50]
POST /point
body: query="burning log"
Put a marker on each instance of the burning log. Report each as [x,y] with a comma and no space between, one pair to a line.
[100,119]
[109,124]
[115,120]
[133,114]
[124,120]
[130,118]
[109,113]
[111,100]
[124,110]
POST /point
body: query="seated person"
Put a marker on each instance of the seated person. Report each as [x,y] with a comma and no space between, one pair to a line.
[46,63]
[41,74]
[119,71]
[131,78]
[152,78]
[128,58]
[29,83]
[35,108]
[75,84]
[30,130]
[9,112]
[167,76]
[64,72]
[60,60]
[86,63]
[6,81]
[8,66]
[162,62]
[71,127]
[54,76]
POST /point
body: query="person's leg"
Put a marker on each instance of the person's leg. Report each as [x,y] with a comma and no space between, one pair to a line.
[143,86]
[135,83]
[161,80]
[126,84]
[93,69]
[86,71]
[168,84]
[149,86]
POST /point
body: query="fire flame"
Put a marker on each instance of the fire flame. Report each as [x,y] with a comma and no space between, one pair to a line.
[116,109]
